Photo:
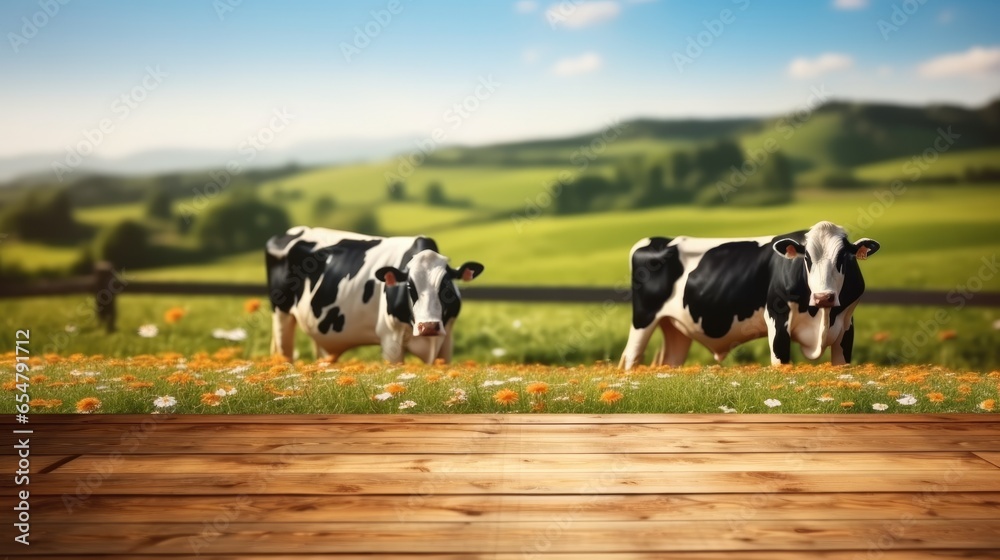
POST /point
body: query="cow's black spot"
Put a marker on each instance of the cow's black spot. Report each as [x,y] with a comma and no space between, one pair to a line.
[369,291]
[847,342]
[731,281]
[655,269]
[336,262]
[451,303]
[334,318]
[782,344]
[397,300]
[853,288]
[284,274]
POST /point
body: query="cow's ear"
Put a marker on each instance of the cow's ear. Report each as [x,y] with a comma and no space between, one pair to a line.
[864,248]
[468,271]
[789,248]
[390,275]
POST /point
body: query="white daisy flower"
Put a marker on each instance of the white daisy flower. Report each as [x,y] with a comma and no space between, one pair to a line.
[726,409]
[407,404]
[148,331]
[880,407]
[405,376]
[771,403]
[164,402]
[383,396]
[824,398]
[907,400]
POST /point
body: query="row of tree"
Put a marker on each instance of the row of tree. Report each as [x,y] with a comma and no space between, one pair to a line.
[710,175]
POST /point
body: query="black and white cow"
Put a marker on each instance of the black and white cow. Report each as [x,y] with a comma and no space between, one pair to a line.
[801,286]
[347,290]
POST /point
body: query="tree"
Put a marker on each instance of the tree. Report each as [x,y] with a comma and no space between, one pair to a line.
[397,191]
[240,223]
[366,223]
[435,194]
[42,216]
[324,206]
[125,244]
[159,205]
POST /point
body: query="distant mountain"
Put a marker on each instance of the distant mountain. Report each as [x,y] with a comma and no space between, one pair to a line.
[327,152]
[837,135]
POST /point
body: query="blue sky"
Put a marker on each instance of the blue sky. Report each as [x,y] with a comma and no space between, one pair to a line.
[557,67]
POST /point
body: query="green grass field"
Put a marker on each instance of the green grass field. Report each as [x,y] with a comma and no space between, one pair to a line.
[557,334]
[952,163]
[932,238]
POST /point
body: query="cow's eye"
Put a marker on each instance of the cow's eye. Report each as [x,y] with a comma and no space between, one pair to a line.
[412,290]
[809,261]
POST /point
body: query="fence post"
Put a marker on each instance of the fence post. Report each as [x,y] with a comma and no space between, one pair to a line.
[104,297]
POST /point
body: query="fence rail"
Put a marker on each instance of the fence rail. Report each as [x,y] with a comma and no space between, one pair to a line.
[105,286]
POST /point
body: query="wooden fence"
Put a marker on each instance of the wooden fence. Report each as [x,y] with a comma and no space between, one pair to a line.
[105,286]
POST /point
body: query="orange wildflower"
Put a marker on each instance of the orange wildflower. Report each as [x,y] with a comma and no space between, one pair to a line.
[611,397]
[140,385]
[964,389]
[88,405]
[346,381]
[505,396]
[947,335]
[935,397]
[432,377]
[180,378]
[395,388]
[987,405]
[847,404]
[174,314]
[880,336]
[211,399]
[537,388]
[251,305]
[893,393]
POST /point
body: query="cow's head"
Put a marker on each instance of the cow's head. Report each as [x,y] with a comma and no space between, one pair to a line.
[825,255]
[431,293]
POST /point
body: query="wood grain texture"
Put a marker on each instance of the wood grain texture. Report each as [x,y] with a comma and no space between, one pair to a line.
[506,487]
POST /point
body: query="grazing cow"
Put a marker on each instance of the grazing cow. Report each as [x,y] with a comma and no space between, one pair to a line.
[801,286]
[326,281]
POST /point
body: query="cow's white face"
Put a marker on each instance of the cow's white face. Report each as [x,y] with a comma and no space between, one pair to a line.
[431,293]
[825,255]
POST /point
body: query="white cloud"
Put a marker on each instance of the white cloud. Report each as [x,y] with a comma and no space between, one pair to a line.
[850,4]
[803,67]
[525,6]
[583,64]
[530,56]
[583,14]
[975,62]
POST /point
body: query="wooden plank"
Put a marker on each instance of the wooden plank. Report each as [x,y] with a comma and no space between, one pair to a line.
[453,419]
[908,554]
[38,462]
[608,481]
[564,431]
[992,457]
[482,508]
[514,537]
[529,463]
[500,444]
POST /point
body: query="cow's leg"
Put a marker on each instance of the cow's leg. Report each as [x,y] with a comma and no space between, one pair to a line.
[676,345]
[638,338]
[283,334]
[779,338]
[447,347]
[843,347]
[318,351]
[393,347]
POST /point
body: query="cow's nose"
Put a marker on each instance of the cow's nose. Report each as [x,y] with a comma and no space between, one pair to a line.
[824,299]
[429,329]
